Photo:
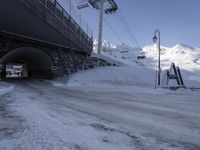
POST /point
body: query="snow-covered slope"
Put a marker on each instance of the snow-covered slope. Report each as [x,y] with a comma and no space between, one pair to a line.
[114,76]
[184,56]
[121,53]
[138,71]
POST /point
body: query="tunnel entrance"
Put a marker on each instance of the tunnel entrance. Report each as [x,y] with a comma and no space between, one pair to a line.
[38,63]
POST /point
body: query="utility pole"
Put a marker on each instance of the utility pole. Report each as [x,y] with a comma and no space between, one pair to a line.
[100,26]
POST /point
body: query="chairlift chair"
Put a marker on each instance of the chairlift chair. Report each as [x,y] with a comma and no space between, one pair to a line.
[141,55]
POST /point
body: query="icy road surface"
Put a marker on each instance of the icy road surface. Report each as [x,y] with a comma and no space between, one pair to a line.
[39,116]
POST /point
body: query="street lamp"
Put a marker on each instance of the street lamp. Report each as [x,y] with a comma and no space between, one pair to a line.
[155,40]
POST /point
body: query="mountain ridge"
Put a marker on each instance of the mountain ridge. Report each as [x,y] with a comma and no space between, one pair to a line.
[185,56]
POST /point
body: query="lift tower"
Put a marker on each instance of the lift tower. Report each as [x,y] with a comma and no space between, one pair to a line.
[99,5]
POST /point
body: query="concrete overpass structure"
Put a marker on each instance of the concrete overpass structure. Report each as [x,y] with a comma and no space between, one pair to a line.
[41,34]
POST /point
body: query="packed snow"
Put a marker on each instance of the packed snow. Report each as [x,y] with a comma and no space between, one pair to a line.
[106,108]
[114,76]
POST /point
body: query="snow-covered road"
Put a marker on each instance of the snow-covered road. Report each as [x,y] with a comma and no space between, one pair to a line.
[38,115]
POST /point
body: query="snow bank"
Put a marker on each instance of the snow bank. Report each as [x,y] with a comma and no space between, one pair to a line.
[113,76]
[5,88]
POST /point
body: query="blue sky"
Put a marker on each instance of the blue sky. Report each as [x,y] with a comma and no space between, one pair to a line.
[177,20]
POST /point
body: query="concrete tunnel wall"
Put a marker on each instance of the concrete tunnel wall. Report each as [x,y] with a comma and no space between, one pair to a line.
[38,62]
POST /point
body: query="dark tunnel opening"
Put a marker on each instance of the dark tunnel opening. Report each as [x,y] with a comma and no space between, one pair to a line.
[38,63]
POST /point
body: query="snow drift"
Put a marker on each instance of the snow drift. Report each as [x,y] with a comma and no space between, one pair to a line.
[114,76]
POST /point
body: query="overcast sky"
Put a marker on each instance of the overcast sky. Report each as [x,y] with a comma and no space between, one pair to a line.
[177,20]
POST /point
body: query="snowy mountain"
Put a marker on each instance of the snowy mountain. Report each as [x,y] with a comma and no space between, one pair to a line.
[122,53]
[184,56]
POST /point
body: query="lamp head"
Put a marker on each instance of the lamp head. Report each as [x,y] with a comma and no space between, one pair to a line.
[155,39]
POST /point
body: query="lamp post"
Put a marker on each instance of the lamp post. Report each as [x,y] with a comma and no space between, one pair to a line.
[155,40]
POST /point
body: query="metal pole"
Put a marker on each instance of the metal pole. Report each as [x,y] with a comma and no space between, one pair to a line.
[159,68]
[159,60]
[100,27]
[156,76]
[70,7]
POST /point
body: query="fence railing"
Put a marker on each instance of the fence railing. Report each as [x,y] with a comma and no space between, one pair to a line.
[53,13]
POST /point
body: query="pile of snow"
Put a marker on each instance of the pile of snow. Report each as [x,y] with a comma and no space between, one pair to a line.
[114,76]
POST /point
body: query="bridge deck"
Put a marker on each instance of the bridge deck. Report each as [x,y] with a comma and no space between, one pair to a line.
[44,20]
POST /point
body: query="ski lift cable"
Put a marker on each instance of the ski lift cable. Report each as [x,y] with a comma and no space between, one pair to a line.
[130,32]
[120,22]
[125,29]
[125,21]
[115,33]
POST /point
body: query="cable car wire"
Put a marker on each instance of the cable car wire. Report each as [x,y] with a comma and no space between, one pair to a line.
[123,19]
[125,27]
[115,33]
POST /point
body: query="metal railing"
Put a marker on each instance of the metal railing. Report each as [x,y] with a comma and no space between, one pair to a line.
[54,14]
